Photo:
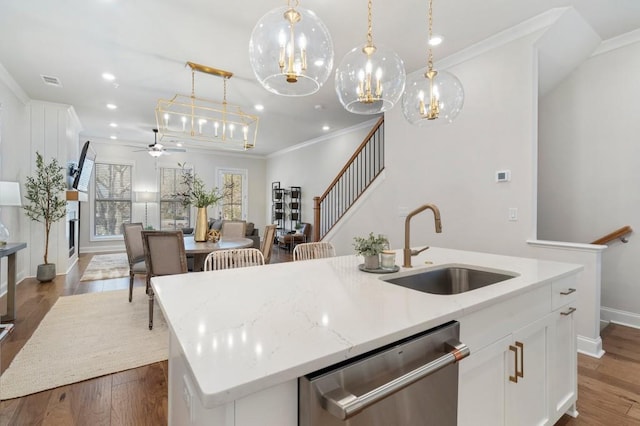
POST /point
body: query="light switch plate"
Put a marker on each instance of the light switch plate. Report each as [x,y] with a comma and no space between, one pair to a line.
[513,214]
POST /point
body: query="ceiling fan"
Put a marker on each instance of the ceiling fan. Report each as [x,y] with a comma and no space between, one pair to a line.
[156,149]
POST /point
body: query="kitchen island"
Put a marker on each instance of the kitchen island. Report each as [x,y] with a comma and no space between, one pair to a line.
[240,338]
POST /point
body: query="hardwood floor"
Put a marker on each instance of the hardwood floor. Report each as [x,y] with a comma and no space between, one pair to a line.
[608,388]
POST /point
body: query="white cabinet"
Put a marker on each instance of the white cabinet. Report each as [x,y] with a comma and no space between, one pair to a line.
[527,361]
[563,353]
[522,369]
[505,383]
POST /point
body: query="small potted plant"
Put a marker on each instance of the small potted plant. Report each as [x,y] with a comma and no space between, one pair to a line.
[46,204]
[195,193]
[370,248]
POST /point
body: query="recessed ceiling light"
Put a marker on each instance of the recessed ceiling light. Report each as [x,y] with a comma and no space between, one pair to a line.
[325,127]
[113,124]
[259,107]
[112,106]
[435,40]
[318,107]
[178,143]
[114,137]
[108,76]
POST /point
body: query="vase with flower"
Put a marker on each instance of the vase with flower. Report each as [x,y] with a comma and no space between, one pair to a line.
[193,192]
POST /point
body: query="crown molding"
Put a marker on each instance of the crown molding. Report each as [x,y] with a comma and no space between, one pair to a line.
[368,123]
[618,42]
[525,28]
[7,79]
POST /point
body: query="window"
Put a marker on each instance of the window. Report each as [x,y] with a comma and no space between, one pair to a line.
[173,215]
[233,183]
[112,203]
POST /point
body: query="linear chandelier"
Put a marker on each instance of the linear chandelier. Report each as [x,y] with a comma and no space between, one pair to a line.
[192,118]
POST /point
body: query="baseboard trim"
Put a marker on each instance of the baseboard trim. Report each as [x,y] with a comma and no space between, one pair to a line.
[629,319]
[590,347]
[102,249]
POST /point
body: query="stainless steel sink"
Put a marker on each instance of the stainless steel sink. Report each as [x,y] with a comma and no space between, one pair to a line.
[450,279]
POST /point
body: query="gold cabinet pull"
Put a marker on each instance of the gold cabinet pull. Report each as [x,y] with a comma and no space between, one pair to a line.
[569,312]
[512,348]
[565,293]
[521,372]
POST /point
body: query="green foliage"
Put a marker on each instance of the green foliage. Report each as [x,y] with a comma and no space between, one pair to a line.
[46,202]
[194,190]
[370,246]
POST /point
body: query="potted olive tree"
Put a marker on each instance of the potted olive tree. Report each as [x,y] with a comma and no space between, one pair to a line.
[371,247]
[46,204]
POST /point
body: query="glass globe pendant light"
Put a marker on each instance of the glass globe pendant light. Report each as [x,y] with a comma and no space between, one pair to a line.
[369,79]
[291,51]
[432,96]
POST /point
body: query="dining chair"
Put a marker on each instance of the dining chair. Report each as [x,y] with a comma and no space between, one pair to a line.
[132,233]
[234,258]
[318,250]
[234,228]
[267,243]
[164,255]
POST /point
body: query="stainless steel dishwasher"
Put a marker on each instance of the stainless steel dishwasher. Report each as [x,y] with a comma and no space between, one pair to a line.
[413,382]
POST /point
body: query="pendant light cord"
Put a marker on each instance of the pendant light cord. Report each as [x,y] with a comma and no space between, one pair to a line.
[370,29]
[430,60]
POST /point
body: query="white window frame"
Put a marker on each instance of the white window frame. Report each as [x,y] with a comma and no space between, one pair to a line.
[220,172]
[92,200]
[159,177]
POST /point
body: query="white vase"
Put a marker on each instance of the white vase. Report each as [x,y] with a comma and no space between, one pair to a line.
[372,262]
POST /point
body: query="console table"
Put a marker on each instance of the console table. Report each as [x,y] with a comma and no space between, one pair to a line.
[9,250]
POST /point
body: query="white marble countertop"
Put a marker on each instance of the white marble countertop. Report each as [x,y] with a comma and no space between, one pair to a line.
[244,330]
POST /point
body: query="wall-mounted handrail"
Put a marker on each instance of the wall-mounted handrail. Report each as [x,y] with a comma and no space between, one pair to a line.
[618,233]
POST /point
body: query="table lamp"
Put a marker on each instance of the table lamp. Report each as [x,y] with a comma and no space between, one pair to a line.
[9,197]
[145,197]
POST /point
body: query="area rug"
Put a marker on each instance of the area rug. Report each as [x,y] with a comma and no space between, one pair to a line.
[106,266]
[87,336]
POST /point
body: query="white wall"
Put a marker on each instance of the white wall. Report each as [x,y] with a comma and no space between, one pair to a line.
[313,165]
[145,177]
[14,118]
[453,166]
[589,172]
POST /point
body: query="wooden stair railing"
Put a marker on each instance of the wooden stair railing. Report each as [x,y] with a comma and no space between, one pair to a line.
[364,166]
[618,233]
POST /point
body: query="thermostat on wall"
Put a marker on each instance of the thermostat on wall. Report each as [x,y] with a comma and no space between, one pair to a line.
[503,175]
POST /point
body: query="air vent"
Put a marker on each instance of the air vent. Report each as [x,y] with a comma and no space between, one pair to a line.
[51,81]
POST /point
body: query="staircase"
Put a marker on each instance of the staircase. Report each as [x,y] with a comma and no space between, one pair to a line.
[364,166]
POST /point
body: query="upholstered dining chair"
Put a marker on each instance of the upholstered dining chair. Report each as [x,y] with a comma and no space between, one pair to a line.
[319,250]
[234,258]
[132,233]
[267,243]
[165,255]
[234,228]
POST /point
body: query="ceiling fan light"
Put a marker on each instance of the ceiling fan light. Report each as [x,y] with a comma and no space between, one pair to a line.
[155,154]
[291,51]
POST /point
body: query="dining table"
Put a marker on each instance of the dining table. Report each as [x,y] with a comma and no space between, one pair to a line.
[200,249]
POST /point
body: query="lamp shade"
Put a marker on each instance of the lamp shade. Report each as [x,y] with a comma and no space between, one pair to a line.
[145,196]
[10,194]
[291,51]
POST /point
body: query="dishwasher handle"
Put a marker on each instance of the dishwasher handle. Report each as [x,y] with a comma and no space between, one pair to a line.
[343,404]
